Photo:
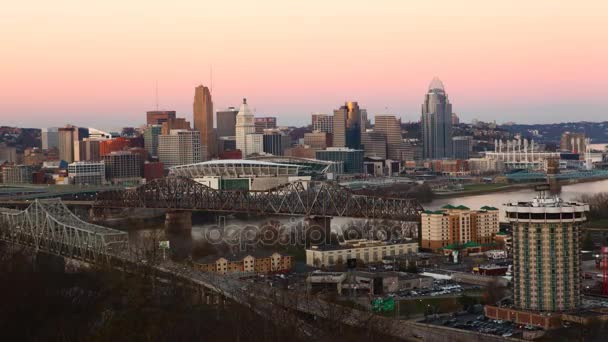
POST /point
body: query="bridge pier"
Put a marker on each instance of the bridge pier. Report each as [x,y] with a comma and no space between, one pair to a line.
[318,230]
[178,221]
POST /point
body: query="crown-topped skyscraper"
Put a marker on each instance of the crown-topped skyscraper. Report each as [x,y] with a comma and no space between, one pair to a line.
[436,122]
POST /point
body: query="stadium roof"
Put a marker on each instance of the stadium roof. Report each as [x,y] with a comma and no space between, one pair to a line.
[235,168]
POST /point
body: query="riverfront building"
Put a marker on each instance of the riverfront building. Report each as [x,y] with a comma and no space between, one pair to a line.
[458,225]
[546,253]
[253,262]
[369,251]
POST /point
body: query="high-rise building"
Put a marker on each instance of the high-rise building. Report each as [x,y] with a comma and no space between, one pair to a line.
[244,126]
[180,147]
[276,142]
[348,126]
[114,145]
[462,145]
[436,122]
[90,149]
[69,146]
[374,144]
[123,167]
[254,143]
[226,122]
[390,127]
[573,142]
[318,140]
[352,159]
[323,123]
[49,138]
[158,117]
[17,174]
[8,153]
[455,226]
[87,173]
[264,123]
[546,253]
[151,135]
[177,123]
[455,119]
[203,119]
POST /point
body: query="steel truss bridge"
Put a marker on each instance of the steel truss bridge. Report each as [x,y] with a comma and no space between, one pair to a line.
[50,226]
[296,198]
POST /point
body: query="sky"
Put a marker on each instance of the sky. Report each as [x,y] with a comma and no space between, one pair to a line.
[98,63]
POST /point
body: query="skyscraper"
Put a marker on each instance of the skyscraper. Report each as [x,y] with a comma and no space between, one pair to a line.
[436,122]
[244,126]
[390,127]
[546,253]
[264,123]
[157,117]
[49,138]
[180,147]
[203,118]
[347,126]
[226,122]
[323,123]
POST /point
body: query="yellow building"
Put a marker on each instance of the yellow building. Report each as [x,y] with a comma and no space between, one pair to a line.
[458,225]
[366,250]
[254,262]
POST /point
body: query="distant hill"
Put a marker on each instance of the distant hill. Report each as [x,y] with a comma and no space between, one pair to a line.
[597,131]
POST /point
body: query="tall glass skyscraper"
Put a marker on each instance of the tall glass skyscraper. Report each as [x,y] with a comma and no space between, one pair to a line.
[203,118]
[347,126]
[436,122]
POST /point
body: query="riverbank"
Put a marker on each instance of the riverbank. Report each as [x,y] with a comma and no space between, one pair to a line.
[483,189]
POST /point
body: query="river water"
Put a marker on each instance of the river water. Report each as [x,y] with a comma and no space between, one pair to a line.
[498,199]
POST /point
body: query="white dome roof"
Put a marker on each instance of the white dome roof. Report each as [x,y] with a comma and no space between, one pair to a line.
[244,110]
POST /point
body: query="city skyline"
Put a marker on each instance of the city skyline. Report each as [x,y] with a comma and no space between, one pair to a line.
[530,63]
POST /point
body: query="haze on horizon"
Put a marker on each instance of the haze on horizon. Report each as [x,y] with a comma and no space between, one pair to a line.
[96,63]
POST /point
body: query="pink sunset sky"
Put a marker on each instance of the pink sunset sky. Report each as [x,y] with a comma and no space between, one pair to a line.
[96,63]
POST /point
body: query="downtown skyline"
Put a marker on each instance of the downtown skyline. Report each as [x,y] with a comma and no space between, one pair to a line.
[529,63]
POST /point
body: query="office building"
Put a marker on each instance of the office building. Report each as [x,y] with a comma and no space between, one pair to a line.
[352,159]
[180,147]
[436,122]
[158,117]
[87,173]
[123,167]
[49,137]
[573,142]
[455,120]
[390,127]
[347,126]
[244,126]
[264,123]
[153,170]
[177,123]
[374,144]
[203,119]
[301,151]
[323,123]
[455,227]
[68,144]
[318,140]
[114,145]
[250,262]
[101,135]
[254,143]
[462,145]
[151,135]
[17,174]
[275,142]
[90,149]
[8,153]
[226,122]
[546,253]
[33,156]
[369,251]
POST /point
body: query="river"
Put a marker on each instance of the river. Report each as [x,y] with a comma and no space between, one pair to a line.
[497,199]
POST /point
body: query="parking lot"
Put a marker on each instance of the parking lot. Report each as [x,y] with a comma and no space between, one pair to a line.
[480,323]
